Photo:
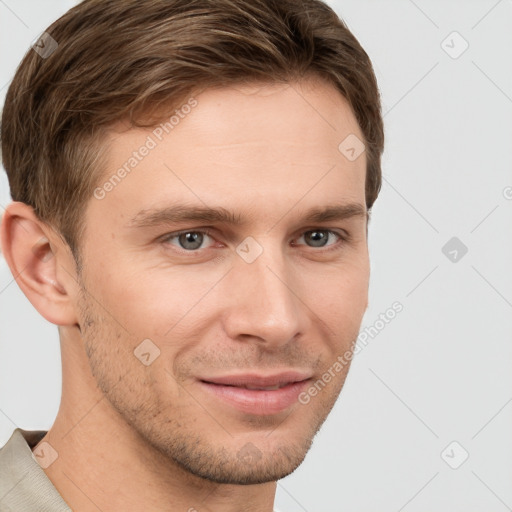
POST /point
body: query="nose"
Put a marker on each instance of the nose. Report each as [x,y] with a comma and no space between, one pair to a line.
[267,303]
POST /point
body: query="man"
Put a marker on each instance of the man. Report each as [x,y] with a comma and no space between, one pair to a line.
[191,185]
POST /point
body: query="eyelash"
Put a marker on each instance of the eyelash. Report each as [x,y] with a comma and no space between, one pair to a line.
[343,238]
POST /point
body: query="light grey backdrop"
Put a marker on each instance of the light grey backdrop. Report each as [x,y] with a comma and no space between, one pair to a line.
[424,421]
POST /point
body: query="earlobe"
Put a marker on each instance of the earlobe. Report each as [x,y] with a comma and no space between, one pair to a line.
[34,257]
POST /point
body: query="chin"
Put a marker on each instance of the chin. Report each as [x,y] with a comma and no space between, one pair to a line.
[248,466]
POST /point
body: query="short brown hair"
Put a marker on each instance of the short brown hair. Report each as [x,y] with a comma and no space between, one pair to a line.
[120,59]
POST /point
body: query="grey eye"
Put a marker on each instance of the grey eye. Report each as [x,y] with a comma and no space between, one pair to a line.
[317,238]
[191,240]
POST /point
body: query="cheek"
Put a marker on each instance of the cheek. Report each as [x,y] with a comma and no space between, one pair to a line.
[162,303]
[341,304]
[342,291]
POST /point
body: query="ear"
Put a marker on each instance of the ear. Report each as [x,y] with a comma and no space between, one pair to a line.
[41,263]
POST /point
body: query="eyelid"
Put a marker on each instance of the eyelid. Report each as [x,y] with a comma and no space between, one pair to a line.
[176,234]
[343,237]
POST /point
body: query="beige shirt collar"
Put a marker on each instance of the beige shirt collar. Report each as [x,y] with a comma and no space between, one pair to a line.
[24,485]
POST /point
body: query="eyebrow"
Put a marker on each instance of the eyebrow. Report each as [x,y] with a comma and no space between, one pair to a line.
[179,213]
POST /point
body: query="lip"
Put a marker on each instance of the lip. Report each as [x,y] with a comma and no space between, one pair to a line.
[231,389]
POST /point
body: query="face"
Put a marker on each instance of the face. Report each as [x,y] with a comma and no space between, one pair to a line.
[225,274]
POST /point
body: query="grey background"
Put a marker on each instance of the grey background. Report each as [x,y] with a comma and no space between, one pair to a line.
[440,371]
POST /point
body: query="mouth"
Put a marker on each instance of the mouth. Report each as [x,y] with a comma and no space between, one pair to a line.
[257,394]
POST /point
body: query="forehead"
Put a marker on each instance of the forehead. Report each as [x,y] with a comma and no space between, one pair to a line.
[248,146]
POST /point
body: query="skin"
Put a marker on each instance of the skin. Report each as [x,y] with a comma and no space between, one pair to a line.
[135,437]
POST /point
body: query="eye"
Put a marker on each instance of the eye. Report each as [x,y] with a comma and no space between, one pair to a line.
[188,240]
[320,237]
[194,240]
